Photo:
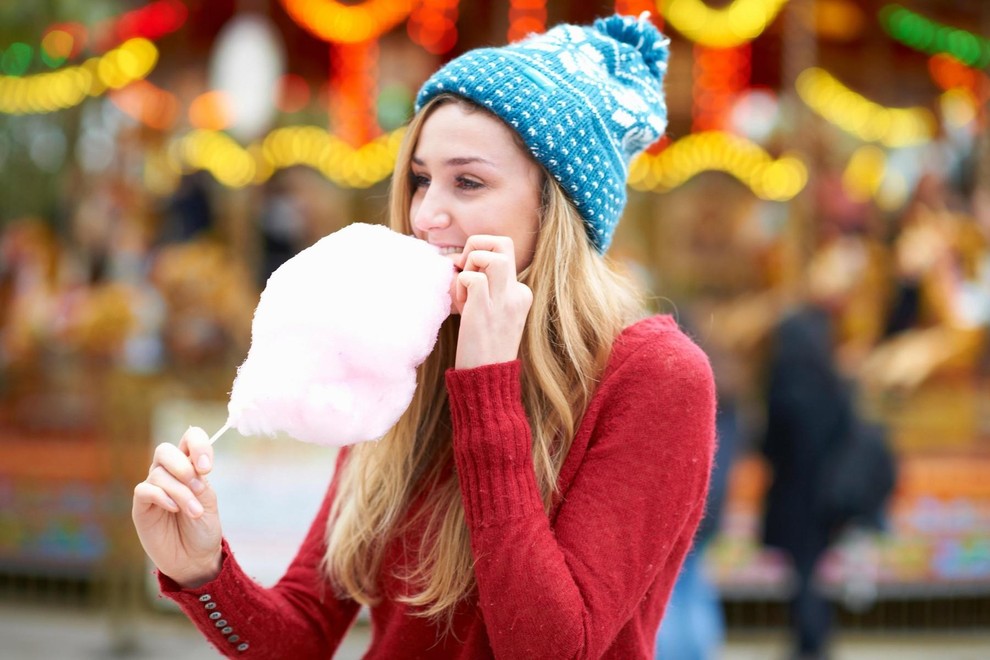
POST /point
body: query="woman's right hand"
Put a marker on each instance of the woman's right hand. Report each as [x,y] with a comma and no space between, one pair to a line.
[175,511]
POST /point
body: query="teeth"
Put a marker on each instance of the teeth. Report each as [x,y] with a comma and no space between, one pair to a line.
[444,251]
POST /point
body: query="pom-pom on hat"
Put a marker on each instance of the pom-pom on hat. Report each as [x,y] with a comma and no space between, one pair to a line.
[584,99]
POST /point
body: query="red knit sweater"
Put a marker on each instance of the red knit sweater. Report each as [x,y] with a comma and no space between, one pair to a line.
[590,580]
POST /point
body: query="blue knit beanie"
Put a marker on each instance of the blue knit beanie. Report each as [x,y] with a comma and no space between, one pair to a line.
[585,100]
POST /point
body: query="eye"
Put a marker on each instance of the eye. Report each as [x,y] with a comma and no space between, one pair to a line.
[419,181]
[468,184]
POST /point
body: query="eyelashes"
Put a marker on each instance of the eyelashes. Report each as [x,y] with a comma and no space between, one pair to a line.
[418,181]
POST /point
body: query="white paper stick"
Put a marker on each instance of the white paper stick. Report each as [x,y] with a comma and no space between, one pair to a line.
[223,429]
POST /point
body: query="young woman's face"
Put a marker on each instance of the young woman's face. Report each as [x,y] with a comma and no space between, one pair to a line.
[470,177]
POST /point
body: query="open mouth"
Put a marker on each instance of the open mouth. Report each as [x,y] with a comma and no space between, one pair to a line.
[450,249]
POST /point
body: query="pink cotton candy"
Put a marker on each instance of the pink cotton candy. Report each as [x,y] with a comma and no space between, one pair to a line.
[337,336]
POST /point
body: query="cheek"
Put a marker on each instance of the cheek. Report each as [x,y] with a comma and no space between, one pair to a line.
[524,253]
[526,239]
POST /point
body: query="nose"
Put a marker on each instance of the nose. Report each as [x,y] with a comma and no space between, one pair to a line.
[429,212]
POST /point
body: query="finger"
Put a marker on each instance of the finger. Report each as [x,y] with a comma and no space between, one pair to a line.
[196,444]
[490,243]
[472,285]
[180,493]
[175,462]
[499,269]
[147,495]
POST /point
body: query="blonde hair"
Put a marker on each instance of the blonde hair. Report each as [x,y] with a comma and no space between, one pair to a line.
[579,306]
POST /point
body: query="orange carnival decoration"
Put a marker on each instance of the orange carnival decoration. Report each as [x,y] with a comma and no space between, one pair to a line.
[353,31]
[949,73]
[720,74]
[525,17]
[353,74]
[433,25]
[339,22]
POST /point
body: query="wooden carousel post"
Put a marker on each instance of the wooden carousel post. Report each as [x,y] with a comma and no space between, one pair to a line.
[799,53]
[983,139]
[981,210]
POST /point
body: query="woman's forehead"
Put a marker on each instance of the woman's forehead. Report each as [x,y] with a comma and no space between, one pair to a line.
[458,134]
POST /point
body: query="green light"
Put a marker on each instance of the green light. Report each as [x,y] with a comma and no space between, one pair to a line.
[920,33]
[966,45]
[16,59]
[52,61]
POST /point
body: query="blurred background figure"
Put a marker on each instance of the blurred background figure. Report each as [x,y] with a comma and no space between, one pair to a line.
[809,415]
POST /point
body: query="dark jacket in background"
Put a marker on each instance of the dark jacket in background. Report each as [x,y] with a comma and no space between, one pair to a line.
[808,410]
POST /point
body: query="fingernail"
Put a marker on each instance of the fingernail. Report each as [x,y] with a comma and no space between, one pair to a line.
[196,485]
[203,462]
[194,508]
[170,503]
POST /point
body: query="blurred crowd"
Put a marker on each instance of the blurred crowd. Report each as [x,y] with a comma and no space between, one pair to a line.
[130,281]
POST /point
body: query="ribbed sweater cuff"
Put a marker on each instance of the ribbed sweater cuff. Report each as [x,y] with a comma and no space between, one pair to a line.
[492,444]
[217,607]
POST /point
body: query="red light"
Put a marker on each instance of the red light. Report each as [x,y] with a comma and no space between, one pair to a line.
[293,93]
[152,21]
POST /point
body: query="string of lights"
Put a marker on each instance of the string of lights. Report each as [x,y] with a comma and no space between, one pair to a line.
[62,43]
[770,179]
[737,23]
[861,117]
[309,146]
[57,90]
[916,31]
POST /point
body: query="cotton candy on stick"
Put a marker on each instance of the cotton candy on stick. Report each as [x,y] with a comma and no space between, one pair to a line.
[337,336]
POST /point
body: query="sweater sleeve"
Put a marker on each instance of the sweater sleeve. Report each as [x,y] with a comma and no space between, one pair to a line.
[299,617]
[628,515]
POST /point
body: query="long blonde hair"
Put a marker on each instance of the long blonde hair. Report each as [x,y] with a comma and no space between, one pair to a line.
[580,304]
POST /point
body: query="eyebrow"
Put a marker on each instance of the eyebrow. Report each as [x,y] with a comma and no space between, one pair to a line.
[462,160]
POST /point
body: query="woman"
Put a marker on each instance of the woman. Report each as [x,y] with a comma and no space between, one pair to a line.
[538,496]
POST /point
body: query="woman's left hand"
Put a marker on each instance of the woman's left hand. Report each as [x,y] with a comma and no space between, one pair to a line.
[492,303]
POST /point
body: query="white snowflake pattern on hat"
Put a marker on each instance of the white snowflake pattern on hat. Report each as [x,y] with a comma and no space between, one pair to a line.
[630,100]
[575,61]
[623,118]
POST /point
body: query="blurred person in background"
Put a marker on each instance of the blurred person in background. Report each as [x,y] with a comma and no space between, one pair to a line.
[808,405]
